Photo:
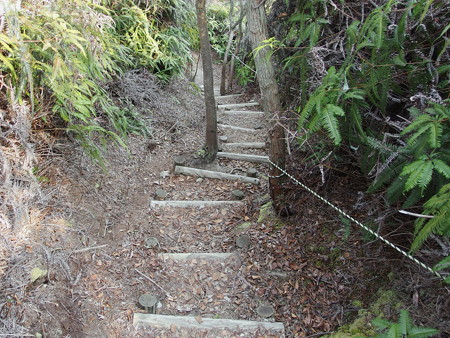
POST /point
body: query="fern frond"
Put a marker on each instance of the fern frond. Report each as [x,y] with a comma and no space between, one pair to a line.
[405,322]
[387,175]
[330,122]
[419,174]
[425,124]
[314,100]
[439,224]
[441,167]
[395,190]
[439,206]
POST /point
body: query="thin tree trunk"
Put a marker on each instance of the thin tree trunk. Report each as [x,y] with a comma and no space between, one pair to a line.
[257,26]
[210,103]
[233,58]
[227,51]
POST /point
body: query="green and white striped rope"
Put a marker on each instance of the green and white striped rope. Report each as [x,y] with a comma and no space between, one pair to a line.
[404,253]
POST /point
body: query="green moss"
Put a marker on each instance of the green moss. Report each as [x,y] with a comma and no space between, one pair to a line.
[265,211]
[385,302]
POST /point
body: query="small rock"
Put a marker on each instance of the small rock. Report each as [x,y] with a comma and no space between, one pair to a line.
[160,194]
[265,311]
[164,174]
[199,180]
[252,172]
[243,241]
[237,195]
[151,242]
[223,139]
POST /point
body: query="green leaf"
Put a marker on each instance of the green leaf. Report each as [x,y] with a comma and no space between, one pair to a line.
[381,323]
[422,332]
[405,322]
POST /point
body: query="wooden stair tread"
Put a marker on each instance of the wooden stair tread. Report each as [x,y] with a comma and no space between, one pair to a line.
[226,126]
[226,97]
[167,321]
[191,203]
[244,157]
[247,145]
[214,174]
[242,112]
[196,255]
[237,105]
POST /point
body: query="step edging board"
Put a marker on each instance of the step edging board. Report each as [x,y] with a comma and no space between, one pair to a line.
[190,204]
[166,321]
[237,105]
[244,157]
[215,174]
[183,256]
[226,126]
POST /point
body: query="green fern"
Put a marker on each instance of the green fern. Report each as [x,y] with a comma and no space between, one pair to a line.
[439,207]
[403,328]
[442,265]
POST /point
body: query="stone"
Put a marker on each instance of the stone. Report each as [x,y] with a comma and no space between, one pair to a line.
[265,311]
[237,195]
[148,302]
[164,174]
[243,241]
[151,242]
[223,139]
[160,194]
[251,172]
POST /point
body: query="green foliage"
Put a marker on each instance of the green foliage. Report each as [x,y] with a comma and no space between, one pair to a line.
[245,73]
[382,93]
[439,207]
[218,28]
[444,264]
[403,328]
[66,58]
[161,47]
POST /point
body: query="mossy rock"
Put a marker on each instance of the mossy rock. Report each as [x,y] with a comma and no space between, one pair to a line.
[267,215]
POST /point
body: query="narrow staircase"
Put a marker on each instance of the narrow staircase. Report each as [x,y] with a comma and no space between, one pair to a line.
[206,278]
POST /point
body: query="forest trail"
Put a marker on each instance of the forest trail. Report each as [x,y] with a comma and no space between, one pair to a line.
[205,284]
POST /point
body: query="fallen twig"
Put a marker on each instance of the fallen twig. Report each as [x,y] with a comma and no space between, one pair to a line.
[90,248]
[151,280]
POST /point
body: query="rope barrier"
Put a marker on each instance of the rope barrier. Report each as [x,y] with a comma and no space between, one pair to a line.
[404,253]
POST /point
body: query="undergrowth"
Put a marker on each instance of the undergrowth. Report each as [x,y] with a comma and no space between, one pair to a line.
[375,81]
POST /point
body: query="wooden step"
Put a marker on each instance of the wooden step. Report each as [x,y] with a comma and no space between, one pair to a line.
[244,157]
[200,323]
[226,97]
[226,126]
[196,255]
[243,112]
[245,145]
[237,105]
[214,174]
[191,204]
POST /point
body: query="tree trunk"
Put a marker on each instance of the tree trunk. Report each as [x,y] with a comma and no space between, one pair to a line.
[227,51]
[257,26]
[210,103]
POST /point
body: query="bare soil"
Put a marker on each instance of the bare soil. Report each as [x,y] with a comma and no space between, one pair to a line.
[90,238]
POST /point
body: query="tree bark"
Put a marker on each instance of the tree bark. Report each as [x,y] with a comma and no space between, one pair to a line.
[227,51]
[257,26]
[208,83]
